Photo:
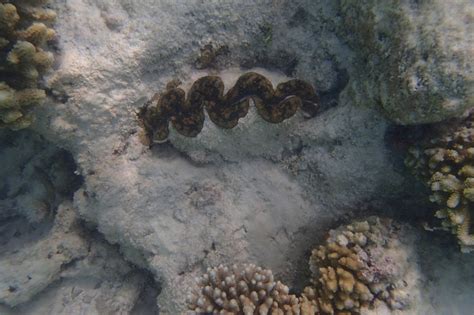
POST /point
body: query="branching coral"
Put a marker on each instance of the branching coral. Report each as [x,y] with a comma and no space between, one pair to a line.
[24,34]
[359,264]
[225,110]
[355,268]
[445,162]
[245,289]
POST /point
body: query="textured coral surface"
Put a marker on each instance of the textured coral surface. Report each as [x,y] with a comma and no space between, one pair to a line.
[360,264]
[245,289]
[24,35]
[445,161]
[415,58]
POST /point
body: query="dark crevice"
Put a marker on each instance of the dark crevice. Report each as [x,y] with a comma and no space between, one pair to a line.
[329,98]
[146,303]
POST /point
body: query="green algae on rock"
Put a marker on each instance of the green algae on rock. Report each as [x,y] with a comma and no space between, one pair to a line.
[413,58]
[187,113]
[24,35]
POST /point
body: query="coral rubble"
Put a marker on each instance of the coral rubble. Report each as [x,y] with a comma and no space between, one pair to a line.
[358,266]
[187,114]
[24,35]
[445,162]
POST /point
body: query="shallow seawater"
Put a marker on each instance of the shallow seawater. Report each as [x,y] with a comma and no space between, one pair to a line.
[236,157]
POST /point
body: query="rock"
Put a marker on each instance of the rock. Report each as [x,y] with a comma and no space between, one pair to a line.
[66,269]
[414,58]
[38,178]
[50,263]
[26,270]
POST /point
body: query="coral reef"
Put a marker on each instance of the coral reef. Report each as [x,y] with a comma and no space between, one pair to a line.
[245,289]
[358,266]
[414,58]
[24,34]
[137,198]
[445,162]
[187,114]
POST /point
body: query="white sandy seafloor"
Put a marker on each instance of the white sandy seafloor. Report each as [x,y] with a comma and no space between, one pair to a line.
[141,223]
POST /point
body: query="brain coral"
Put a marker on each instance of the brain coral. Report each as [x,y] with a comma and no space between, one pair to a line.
[24,34]
[357,266]
[225,110]
[445,162]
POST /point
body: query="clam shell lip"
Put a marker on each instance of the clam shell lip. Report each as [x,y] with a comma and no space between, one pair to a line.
[274,105]
[159,141]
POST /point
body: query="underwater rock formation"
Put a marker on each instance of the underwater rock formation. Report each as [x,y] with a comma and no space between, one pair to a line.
[39,176]
[27,270]
[445,162]
[414,57]
[187,114]
[138,198]
[66,269]
[357,266]
[24,34]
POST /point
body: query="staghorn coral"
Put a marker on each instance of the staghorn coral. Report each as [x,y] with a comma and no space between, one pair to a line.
[245,289]
[187,114]
[445,162]
[356,267]
[24,35]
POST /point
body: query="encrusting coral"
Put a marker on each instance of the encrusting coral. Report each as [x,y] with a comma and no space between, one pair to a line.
[24,35]
[359,265]
[187,113]
[245,289]
[355,268]
[445,162]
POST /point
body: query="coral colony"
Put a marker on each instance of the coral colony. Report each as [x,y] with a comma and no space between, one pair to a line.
[445,162]
[355,268]
[24,35]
